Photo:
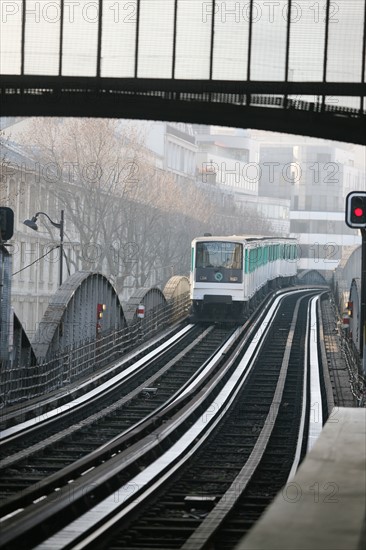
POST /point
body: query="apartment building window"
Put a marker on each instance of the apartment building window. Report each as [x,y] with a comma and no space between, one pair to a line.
[41,265]
[22,260]
[23,200]
[322,202]
[323,157]
[50,261]
[176,157]
[31,258]
[299,226]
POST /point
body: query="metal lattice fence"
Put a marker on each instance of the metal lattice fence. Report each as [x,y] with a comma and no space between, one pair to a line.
[27,382]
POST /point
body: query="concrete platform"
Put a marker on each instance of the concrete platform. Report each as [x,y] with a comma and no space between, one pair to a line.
[323,506]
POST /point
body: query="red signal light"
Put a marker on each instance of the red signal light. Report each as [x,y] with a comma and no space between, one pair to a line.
[356,209]
[100,309]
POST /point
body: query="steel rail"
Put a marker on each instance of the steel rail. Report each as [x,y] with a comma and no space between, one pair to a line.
[311,393]
[38,406]
[114,448]
[315,401]
[156,473]
[325,370]
[212,522]
[13,459]
[10,434]
[30,494]
[125,438]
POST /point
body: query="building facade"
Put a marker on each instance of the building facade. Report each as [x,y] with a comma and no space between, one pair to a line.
[227,158]
[174,145]
[316,176]
[35,254]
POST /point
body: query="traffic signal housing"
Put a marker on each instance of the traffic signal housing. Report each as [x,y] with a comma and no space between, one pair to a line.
[6,223]
[356,209]
[100,309]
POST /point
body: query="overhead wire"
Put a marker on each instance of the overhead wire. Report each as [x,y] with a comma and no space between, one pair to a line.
[37,260]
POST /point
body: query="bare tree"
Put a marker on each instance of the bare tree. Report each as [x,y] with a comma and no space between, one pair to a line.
[133,221]
[94,172]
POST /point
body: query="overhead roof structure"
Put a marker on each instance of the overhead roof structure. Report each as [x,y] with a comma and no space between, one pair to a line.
[292,66]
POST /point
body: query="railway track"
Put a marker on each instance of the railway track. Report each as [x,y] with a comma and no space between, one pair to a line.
[38,415]
[153,388]
[249,370]
[346,378]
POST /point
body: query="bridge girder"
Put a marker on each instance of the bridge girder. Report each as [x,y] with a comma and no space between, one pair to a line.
[261,105]
[71,316]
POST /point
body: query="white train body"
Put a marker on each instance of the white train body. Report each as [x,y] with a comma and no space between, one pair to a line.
[226,272]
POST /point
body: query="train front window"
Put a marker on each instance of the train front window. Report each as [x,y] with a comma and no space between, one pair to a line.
[219,255]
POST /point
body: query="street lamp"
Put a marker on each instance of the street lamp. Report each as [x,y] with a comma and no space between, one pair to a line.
[33,225]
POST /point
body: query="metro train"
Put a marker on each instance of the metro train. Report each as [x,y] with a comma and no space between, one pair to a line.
[227,273]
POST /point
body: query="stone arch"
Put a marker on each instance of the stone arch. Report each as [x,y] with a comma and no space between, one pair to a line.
[71,316]
[176,292]
[151,298]
[24,355]
[348,268]
[176,287]
[21,365]
[311,277]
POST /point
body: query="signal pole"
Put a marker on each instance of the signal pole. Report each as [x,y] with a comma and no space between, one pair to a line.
[356,218]
[363,302]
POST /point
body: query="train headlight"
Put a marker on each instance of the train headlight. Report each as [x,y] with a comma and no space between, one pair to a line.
[233,279]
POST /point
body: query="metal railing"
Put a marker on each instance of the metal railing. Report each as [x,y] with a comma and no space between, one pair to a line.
[86,358]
